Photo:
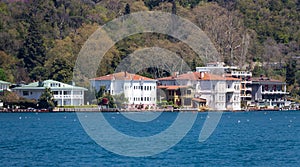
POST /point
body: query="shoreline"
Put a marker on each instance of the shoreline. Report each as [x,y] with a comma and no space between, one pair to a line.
[64,110]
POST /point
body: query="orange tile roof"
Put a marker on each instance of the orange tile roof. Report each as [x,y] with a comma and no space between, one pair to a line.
[122,76]
[201,100]
[196,76]
[171,87]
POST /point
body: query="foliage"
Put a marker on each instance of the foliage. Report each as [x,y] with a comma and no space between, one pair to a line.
[107,100]
[127,9]
[2,75]
[120,100]
[33,52]
[41,39]
[101,92]
[291,72]
[12,99]
[46,99]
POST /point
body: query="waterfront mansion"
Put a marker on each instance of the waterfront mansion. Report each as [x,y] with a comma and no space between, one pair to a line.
[140,91]
[64,94]
[216,91]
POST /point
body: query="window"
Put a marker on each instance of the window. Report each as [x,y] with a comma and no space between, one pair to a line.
[188,92]
[187,101]
[67,92]
[25,93]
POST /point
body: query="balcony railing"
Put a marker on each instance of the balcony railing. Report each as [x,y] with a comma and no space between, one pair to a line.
[68,96]
[274,92]
[246,95]
[241,73]
[246,82]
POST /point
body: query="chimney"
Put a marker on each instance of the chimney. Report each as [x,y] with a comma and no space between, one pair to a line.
[125,74]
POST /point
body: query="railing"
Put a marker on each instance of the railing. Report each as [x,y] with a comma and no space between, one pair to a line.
[246,95]
[274,92]
[68,96]
[246,82]
[241,73]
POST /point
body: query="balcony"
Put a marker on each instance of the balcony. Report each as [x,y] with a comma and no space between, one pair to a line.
[68,97]
[246,95]
[246,82]
[241,73]
[274,92]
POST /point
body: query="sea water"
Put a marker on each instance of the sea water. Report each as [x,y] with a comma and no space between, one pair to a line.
[268,138]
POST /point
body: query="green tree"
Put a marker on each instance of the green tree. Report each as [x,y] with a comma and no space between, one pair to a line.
[120,100]
[46,100]
[298,77]
[33,52]
[258,71]
[107,100]
[101,92]
[39,73]
[61,70]
[127,9]
[291,71]
[2,75]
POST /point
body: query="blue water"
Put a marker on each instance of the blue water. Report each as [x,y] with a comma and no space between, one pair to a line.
[240,139]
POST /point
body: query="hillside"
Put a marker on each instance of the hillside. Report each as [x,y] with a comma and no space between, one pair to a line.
[41,39]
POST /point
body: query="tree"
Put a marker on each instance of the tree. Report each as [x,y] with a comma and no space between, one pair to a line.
[61,70]
[174,9]
[291,71]
[258,71]
[46,100]
[120,100]
[39,73]
[127,9]
[107,100]
[2,75]
[101,92]
[33,52]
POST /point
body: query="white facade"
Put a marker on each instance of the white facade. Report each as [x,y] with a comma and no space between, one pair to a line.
[246,85]
[221,93]
[4,85]
[137,89]
[64,94]
[214,92]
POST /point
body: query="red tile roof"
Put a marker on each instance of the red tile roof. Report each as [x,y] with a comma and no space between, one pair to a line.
[196,76]
[200,100]
[122,76]
[171,87]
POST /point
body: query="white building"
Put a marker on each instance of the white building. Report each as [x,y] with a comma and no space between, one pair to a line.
[64,94]
[140,91]
[4,85]
[269,93]
[246,85]
[220,93]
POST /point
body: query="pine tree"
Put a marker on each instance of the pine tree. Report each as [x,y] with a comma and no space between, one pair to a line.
[127,9]
[33,51]
[291,71]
